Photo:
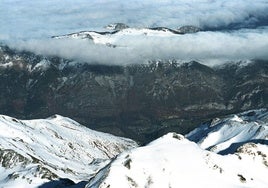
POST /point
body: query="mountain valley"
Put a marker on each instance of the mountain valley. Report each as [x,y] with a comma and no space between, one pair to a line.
[139,101]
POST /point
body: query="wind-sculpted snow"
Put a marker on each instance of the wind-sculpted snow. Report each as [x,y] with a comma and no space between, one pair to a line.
[227,134]
[174,161]
[33,152]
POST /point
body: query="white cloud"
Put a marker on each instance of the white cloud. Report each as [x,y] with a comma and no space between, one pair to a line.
[38,18]
[28,24]
[203,46]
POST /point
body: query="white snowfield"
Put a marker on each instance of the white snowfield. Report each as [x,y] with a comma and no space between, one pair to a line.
[33,152]
[173,161]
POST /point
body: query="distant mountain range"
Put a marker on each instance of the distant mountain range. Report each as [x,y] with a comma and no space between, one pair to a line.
[119,30]
[141,101]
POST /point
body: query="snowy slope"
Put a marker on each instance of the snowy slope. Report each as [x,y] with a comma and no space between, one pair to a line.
[174,161]
[36,151]
[226,135]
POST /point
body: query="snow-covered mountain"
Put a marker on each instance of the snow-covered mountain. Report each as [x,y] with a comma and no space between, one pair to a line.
[33,152]
[113,38]
[227,134]
[59,152]
[174,161]
[121,32]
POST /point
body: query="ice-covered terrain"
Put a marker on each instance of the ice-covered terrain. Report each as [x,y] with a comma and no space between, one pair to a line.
[33,152]
[175,161]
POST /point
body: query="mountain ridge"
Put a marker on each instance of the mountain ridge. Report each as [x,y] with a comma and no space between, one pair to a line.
[141,101]
[174,161]
[59,152]
[33,152]
[119,30]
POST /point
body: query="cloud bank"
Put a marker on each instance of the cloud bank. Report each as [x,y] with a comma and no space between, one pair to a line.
[206,47]
[28,25]
[38,18]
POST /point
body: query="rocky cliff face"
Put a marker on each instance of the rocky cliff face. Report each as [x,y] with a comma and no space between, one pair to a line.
[136,101]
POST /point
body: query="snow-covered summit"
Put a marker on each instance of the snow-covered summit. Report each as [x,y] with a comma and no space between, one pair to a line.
[174,161]
[116,36]
[36,151]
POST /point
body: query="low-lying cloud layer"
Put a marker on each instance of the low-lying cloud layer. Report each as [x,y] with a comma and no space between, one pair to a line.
[28,25]
[203,46]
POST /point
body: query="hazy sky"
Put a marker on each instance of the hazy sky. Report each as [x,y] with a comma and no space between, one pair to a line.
[28,24]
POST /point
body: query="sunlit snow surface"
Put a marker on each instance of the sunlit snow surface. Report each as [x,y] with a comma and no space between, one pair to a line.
[37,151]
[225,152]
[174,161]
[225,135]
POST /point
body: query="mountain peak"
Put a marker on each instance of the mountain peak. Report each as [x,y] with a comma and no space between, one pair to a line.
[167,162]
[116,26]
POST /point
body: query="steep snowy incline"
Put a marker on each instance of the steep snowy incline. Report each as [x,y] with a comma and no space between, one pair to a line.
[33,152]
[174,161]
[226,135]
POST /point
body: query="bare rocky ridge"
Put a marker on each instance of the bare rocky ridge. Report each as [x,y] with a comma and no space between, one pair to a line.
[142,101]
